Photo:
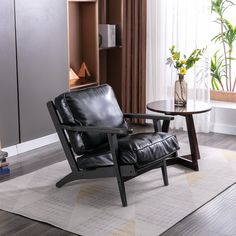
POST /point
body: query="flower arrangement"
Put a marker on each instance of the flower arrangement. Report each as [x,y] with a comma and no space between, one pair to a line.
[182,63]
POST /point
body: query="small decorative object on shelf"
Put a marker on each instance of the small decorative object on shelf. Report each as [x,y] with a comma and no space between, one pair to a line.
[83,71]
[108,35]
[73,77]
[80,78]
[182,64]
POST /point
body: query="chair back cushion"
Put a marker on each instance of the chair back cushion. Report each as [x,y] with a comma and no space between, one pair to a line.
[95,106]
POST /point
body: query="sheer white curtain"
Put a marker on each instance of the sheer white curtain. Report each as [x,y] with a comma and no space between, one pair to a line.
[183,23]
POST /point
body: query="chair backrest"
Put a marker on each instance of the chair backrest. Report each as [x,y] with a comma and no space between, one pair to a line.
[96,106]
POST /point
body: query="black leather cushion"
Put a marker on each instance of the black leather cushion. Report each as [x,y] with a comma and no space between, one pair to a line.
[95,106]
[96,160]
[138,149]
[143,148]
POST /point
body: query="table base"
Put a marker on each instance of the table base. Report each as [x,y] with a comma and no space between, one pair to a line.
[189,163]
[193,107]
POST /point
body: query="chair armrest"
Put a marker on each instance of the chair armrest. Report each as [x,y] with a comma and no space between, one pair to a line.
[156,120]
[105,130]
[147,116]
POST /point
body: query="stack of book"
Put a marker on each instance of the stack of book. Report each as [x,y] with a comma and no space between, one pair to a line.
[4,165]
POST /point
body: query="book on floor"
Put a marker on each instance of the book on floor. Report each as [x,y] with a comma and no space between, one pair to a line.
[4,164]
[4,170]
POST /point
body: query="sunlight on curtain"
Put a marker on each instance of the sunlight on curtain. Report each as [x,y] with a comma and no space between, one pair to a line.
[184,23]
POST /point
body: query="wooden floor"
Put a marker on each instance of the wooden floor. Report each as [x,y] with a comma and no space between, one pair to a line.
[11,224]
[215,218]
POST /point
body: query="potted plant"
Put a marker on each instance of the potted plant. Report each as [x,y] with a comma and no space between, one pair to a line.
[222,80]
[182,64]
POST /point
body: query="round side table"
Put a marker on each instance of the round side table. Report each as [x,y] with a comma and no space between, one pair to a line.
[193,107]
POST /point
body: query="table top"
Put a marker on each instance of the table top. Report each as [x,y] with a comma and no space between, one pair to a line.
[168,107]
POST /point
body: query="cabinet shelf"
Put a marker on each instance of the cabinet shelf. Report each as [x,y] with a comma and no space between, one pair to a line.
[111,60]
[104,64]
[83,40]
[81,0]
[83,85]
[109,48]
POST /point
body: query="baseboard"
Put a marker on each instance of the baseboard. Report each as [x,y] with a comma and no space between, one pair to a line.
[12,151]
[223,128]
[31,145]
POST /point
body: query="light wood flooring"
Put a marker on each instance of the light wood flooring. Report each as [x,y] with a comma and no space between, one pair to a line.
[215,218]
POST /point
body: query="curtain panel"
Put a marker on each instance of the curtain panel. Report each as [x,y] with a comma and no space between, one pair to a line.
[134,59]
[185,24]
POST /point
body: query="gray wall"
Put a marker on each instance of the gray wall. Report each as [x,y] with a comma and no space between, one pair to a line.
[42,49]
[8,83]
[40,53]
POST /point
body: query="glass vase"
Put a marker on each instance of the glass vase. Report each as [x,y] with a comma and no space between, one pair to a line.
[181,92]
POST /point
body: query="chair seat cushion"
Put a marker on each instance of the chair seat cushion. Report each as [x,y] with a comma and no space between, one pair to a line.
[95,161]
[143,148]
[138,149]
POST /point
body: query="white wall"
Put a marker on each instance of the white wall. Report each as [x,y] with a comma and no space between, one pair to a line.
[223,118]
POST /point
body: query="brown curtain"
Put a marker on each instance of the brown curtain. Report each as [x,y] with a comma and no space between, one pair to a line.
[134,78]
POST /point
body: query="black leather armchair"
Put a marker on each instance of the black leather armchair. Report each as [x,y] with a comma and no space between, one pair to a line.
[98,142]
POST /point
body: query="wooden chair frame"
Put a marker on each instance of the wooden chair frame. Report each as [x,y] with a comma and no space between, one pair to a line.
[122,173]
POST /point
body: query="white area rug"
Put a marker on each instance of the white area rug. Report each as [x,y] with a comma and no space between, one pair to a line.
[93,207]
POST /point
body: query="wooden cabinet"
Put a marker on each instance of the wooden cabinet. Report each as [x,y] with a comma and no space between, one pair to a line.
[104,64]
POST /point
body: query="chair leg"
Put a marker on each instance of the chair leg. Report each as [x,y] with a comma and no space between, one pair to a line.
[68,178]
[114,149]
[121,186]
[164,173]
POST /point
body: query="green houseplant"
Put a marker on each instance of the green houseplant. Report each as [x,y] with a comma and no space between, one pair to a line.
[222,80]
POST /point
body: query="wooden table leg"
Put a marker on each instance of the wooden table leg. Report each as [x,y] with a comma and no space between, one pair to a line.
[192,136]
[190,161]
[165,126]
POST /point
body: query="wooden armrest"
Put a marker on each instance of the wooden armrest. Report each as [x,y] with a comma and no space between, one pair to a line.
[147,116]
[105,130]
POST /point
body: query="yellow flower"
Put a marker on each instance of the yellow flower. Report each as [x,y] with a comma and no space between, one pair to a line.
[183,62]
[183,71]
[175,56]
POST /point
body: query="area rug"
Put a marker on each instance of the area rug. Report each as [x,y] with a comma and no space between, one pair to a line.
[93,207]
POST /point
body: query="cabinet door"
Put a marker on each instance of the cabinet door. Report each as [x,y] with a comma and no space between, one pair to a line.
[41,28]
[9,134]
